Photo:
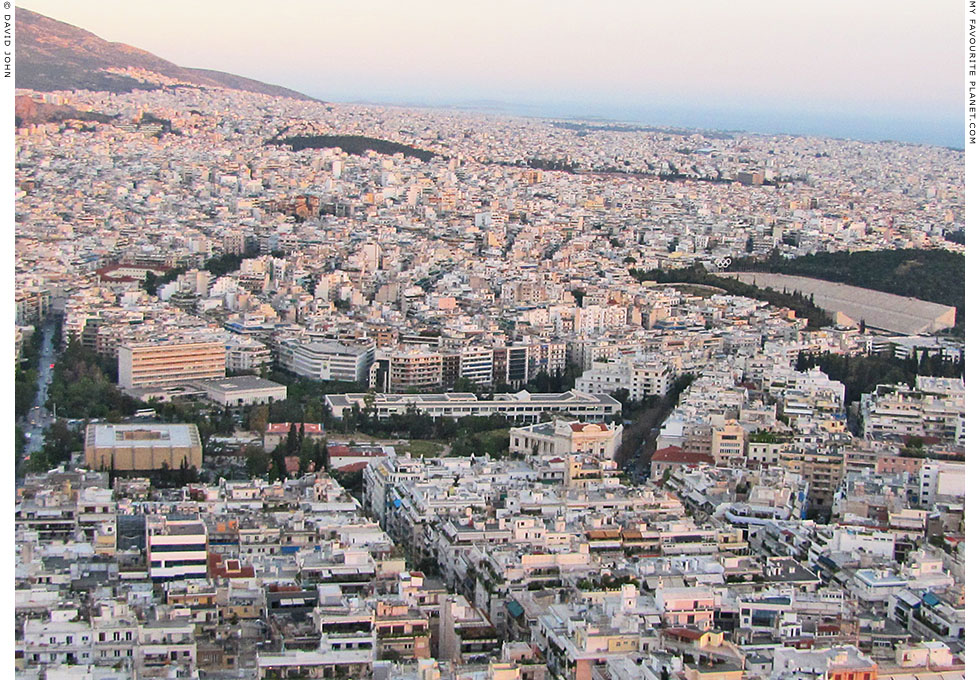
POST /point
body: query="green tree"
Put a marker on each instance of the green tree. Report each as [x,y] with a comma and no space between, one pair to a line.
[258,419]
[150,283]
[257,461]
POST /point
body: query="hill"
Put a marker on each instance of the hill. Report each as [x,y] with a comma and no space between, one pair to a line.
[27,111]
[53,55]
[352,144]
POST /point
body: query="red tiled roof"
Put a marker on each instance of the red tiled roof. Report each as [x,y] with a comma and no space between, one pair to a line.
[292,465]
[599,534]
[229,568]
[579,427]
[675,454]
[684,633]
[353,467]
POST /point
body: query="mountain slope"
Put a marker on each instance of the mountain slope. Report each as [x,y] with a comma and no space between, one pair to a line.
[53,55]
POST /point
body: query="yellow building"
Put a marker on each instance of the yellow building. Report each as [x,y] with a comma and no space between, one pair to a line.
[142,447]
[727,442]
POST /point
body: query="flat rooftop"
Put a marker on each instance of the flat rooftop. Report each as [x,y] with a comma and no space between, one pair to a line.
[184,529]
[145,435]
[334,347]
[244,383]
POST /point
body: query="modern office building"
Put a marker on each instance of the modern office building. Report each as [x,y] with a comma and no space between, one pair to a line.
[169,362]
[328,360]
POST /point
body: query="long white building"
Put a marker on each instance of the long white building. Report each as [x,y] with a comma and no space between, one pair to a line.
[523,406]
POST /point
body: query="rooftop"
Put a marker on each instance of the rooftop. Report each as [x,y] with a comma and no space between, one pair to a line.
[145,435]
[238,384]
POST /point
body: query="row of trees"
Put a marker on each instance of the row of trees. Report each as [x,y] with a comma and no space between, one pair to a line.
[413,424]
[25,375]
[861,374]
[82,386]
[60,441]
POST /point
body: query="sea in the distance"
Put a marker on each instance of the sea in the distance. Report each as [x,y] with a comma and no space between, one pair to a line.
[889,125]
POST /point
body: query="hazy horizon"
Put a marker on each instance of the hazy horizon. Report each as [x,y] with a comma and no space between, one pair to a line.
[878,70]
[860,128]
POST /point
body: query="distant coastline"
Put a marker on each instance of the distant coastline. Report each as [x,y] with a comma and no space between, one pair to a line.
[946,134]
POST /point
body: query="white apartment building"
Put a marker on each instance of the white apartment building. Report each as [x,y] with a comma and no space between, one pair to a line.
[166,644]
[941,478]
[642,377]
[246,354]
[935,408]
[63,639]
[476,364]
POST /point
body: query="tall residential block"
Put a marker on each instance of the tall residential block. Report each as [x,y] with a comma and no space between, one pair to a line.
[176,548]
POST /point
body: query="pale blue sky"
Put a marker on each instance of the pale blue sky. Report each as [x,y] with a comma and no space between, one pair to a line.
[873,67]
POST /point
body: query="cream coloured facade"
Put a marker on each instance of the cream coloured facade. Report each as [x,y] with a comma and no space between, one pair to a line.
[169,362]
[561,437]
[142,447]
[727,442]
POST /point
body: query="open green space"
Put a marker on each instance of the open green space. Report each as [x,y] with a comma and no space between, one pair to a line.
[421,448]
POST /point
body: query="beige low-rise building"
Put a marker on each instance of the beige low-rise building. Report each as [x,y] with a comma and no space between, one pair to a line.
[142,447]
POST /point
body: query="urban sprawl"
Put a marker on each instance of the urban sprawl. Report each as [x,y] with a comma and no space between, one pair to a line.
[520,461]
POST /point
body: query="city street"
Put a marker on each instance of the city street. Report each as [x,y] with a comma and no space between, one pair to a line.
[39,418]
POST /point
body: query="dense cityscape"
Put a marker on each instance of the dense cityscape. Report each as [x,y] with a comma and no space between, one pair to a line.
[311,390]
